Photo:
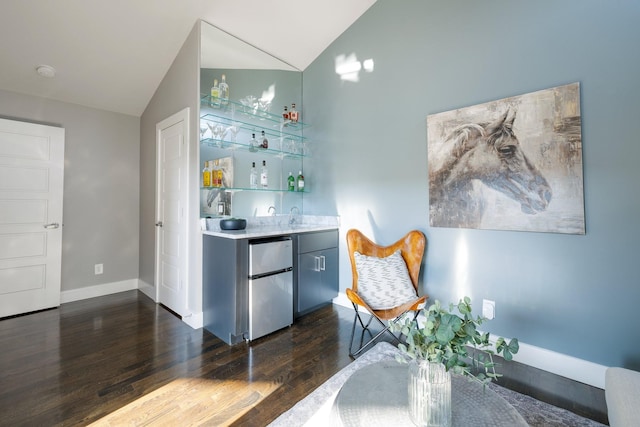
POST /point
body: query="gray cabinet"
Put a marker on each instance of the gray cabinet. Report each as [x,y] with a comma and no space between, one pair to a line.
[317,270]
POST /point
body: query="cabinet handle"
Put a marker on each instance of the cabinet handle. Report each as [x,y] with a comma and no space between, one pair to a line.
[322,263]
[316,263]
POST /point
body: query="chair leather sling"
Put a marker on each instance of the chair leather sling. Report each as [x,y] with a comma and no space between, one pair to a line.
[412,247]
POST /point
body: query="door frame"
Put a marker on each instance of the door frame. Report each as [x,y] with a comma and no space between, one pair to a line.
[181,116]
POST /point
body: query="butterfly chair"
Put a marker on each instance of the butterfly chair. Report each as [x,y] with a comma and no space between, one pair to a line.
[385,281]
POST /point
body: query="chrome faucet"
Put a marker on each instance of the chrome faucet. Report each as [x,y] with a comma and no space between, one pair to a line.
[292,215]
[272,210]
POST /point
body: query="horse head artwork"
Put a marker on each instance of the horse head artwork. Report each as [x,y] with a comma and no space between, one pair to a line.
[487,153]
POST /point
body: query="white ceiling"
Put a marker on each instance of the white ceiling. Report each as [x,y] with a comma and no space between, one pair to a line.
[112,54]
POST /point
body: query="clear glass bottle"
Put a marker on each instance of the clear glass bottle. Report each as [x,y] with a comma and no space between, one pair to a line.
[265,141]
[253,176]
[264,175]
[293,114]
[291,182]
[206,175]
[224,92]
[215,94]
[253,143]
[300,181]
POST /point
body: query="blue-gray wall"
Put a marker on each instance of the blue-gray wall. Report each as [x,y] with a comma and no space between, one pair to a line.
[572,294]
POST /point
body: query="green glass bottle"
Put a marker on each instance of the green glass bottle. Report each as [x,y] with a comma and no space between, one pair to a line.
[291,182]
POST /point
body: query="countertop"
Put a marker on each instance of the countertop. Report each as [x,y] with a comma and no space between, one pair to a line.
[271,226]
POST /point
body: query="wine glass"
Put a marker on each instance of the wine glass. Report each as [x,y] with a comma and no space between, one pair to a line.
[203,130]
[218,131]
[233,131]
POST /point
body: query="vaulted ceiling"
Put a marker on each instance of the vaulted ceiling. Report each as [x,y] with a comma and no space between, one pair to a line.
[113,54]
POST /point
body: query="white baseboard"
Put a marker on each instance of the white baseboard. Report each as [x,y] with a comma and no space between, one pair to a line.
[195,320]
[98,290]
[557,363]
[147,289]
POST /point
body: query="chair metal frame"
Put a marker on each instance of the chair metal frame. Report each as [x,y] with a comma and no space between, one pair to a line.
[412,247]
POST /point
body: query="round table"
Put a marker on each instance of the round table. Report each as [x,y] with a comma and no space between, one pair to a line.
[376,395]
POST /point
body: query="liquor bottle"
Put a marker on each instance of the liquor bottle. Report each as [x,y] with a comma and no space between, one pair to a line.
[264,175]
[293,114]
[285,114]
[265,141]
[224,92]
[291,182]
[220,175]
[206,175]
[215,94]
[253,143]
[300,181]
[214,174]
[253,176]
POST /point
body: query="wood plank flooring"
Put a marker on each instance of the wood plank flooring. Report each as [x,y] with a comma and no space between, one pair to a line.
[122,359]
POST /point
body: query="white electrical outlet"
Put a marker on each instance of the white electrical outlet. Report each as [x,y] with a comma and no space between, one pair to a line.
[488,309]
[98,269]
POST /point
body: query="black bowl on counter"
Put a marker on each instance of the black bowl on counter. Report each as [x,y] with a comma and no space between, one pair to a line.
[233,224]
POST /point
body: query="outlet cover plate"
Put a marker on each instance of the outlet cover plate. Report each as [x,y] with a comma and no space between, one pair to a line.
[488,309]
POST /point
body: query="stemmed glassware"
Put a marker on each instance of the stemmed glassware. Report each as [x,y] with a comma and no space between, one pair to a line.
[203,130]
[233,130]
[218,132]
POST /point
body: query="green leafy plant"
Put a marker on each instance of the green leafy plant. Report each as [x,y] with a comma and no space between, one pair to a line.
[455,341]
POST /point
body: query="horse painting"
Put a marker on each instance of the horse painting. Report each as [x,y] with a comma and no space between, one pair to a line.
[477,154]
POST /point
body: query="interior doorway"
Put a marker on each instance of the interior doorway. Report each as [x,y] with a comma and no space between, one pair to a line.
[31,190]
[172,156]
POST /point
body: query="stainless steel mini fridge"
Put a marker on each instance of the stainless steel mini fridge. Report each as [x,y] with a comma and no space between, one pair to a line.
[270,286]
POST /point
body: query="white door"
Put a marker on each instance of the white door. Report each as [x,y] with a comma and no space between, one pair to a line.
[31,180]
[172,136]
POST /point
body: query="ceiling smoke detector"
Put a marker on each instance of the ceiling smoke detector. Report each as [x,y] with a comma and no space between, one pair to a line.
[46,71]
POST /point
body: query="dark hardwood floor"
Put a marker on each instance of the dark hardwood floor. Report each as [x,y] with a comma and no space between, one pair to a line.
[123,357]
[123,360]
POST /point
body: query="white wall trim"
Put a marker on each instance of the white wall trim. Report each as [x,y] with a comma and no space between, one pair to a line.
[98,290]
[195,320]
[561,364]
[148,290]
[557,363]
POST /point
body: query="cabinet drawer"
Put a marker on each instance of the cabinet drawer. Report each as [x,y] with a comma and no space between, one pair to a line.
[309,242]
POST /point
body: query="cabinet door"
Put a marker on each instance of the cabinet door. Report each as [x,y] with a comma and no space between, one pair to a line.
[309,280]
[328,289]
[317,278]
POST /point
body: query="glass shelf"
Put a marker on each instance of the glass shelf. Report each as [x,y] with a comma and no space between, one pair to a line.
[264,190]
[249,127]
[228,145]
[237,110]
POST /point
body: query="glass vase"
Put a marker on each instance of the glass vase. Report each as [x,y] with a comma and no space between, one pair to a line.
[429,394]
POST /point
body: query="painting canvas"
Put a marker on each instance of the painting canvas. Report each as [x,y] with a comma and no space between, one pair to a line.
[510,164]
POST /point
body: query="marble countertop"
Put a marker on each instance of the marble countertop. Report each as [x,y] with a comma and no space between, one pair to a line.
[273,226]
